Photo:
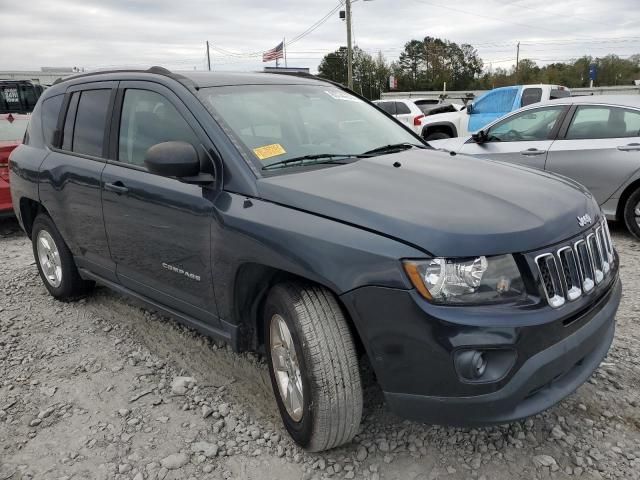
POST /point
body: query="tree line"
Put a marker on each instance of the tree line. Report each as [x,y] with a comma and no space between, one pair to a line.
[427,64]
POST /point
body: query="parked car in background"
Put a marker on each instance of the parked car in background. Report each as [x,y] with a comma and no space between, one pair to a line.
[594,140]
[18,96]
[488,107]
[12,129]
[412,112]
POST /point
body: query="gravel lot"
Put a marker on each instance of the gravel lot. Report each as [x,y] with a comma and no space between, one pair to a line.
[102,388]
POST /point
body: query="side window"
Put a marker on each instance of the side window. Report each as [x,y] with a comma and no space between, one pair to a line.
[530,125]
[50,111]
[402,109]
[91,119]
[69,121]
[388,107]
[632,119]
[531,95]
[603,122]
[149,118]
[498,101]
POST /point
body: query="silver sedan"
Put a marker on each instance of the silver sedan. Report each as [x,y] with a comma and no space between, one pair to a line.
[594,140]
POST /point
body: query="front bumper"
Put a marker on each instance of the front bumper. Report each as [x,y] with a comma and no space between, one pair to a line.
[412,357]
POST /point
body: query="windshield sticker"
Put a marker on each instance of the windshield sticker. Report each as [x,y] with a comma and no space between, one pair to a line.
[339,95]
[269,151]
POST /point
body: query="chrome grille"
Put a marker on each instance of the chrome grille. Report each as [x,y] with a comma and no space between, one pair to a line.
[574,270]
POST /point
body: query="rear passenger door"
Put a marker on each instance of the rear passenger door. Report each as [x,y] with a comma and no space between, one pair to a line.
[159,228]
[70,174]
[600,148]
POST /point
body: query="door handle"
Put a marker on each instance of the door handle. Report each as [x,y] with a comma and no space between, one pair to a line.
[532,152]
[116,187]
[632,147]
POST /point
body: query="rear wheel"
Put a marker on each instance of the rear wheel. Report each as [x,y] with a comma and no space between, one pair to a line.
[55,262]
[437,136]
[313,366]
[632,213]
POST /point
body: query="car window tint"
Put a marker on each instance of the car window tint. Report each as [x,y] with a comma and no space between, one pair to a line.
[50,111]
[69,121]
[389,107]
[603,122]
[402,109]
[530,125]
[496,102]
[147,119]
[88,134]
[531,95]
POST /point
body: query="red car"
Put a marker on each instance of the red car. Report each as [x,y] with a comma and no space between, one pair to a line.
[12,128]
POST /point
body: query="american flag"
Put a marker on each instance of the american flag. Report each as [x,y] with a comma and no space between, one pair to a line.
[274,53]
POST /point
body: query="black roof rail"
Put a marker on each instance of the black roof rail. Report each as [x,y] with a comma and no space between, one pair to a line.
[157,70]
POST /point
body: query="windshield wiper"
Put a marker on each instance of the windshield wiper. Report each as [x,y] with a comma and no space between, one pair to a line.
[316,159]
[396,147]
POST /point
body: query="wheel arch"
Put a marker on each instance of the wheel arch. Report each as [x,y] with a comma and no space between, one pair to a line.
[628,191]
[447,127]
[29,210]
[252,284]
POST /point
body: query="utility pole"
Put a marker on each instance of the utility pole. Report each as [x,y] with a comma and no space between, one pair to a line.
[517,61]
[349,45]
[208,57]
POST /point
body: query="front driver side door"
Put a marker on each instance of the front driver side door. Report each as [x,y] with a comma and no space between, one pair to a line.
[523,138]
[159,228]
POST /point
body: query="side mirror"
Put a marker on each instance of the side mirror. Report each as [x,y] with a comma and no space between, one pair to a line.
[173,159]
[479,137]
[470,108]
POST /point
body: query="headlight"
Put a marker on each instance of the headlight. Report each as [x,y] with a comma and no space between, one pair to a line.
[469,280]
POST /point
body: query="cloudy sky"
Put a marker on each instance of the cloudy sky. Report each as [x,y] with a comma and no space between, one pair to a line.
[94,34]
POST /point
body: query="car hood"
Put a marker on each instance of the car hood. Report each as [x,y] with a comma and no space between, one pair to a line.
[445,205]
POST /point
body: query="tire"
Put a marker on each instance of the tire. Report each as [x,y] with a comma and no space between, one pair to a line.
[60,275]
[631,217]
[331,408]
[437,136]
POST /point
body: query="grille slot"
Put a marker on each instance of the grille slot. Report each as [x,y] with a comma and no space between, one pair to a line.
[585,265]
[550,276]
[594,253]
[571,273]
[602,250]
[574,270]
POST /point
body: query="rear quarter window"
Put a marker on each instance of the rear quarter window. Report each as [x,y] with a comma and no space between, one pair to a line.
[50,112]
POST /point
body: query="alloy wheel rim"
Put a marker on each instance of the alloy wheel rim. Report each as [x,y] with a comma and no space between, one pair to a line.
[637,214]
[286,367]
[49,258]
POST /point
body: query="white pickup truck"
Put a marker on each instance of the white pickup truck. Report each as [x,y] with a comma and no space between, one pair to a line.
[487,108]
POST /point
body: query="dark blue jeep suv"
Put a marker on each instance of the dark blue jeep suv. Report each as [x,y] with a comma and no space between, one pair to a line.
[288,215]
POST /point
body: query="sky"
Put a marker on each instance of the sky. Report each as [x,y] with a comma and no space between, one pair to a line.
[99,34]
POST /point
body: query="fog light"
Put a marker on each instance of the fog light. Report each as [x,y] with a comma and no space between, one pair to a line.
[482,366]
[471,364]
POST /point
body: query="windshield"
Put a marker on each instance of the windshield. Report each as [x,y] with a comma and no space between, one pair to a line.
[12,130]
[273,123]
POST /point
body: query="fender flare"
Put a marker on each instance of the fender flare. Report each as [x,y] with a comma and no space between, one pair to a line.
[450,125]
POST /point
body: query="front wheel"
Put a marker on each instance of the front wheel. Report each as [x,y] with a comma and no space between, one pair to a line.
[55,261]
[632,213]
[313,366]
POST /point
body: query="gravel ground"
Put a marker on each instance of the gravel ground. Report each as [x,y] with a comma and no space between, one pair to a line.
[102,388]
